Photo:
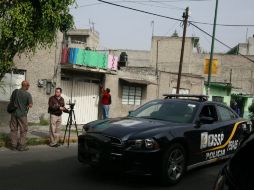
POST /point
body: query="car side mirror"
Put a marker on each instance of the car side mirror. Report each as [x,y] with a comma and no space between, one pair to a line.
[206,120]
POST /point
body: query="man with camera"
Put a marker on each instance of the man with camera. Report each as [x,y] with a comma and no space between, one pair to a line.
[56,109]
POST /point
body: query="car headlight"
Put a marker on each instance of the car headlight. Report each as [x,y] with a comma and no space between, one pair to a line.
[140,144]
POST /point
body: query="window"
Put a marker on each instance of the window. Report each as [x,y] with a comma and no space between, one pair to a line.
[225,113]
[173,111]
[209,111]
[218,99]
[131,95]
[181,91]
[10,82]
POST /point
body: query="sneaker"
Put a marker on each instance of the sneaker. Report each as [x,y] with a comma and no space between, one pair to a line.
[53,145]
[23,148]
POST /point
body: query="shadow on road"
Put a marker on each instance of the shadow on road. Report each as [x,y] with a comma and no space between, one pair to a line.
[68,173]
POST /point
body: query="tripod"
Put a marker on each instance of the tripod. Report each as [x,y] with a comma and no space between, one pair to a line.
[71,120]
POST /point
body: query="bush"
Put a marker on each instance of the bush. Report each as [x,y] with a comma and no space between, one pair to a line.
[4,139]
[44,120]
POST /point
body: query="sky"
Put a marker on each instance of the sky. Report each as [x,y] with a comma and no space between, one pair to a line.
[120,28]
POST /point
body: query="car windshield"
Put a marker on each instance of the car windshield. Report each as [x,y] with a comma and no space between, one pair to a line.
[173,111]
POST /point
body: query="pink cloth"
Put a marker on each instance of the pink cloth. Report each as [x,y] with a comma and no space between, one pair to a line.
[112,62]
[64,58]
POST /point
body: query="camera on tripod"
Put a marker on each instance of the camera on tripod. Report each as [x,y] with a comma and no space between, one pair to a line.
[71,121]
[71,104]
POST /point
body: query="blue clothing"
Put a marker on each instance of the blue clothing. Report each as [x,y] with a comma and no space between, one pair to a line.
[105,111]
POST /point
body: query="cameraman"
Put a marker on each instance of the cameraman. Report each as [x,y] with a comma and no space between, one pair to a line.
[55,109]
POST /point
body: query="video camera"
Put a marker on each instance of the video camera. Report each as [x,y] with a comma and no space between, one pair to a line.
[71,104]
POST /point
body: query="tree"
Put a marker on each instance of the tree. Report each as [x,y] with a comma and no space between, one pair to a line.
[28,24]
[175,34]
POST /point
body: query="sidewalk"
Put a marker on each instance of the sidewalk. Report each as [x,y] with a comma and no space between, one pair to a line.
[38,134]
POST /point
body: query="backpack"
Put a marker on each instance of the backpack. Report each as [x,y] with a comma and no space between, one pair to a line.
[12,106]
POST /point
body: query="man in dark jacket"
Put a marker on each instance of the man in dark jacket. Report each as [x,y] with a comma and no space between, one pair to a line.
[56,108]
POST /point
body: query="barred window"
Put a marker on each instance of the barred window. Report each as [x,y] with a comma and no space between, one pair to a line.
[131,95]
[10,82]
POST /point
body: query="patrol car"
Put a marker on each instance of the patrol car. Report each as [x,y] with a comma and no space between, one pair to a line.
[165,137]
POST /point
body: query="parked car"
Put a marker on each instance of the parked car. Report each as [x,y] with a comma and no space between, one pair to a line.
[237,174]
[165,137]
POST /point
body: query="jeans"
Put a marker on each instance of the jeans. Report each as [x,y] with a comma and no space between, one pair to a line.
[105,111]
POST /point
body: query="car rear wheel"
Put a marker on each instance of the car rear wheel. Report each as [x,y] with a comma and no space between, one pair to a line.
[173,165]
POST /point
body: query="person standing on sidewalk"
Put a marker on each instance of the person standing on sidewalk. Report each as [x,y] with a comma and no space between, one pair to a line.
[105,101]
[23,101]
[55,109]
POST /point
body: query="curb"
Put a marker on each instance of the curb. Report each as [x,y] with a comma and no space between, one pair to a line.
[36,141]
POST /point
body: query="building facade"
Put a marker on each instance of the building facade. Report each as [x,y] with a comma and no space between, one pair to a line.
[141,77]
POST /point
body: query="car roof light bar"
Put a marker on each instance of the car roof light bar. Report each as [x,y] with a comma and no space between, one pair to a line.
[201,98]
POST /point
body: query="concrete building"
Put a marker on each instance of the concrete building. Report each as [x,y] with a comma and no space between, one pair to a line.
[233,69]
[145,76]
[82,38]
[42,71]
[244,48]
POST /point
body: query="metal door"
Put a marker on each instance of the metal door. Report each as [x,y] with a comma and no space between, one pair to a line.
[86,98]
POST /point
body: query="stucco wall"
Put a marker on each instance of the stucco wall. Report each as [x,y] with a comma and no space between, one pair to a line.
[169,56]
[41,65]
[117,109]
[166,80]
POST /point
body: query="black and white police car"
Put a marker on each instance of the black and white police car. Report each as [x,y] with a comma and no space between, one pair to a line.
[165,137]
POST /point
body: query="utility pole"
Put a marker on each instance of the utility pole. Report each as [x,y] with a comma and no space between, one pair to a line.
[157,69]
[212,49]
[185,22]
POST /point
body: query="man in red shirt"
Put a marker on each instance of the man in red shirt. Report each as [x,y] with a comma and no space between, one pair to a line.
[105,102]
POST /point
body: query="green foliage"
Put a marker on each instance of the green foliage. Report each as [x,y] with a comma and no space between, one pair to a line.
[251,110]
[27,24]
[175,34]
[44,121]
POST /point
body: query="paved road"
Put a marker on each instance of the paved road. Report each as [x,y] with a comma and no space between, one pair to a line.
[48,168]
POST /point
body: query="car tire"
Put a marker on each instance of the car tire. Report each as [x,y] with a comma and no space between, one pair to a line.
[173,165]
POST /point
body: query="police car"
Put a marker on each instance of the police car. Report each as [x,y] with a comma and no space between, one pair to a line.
[165,137]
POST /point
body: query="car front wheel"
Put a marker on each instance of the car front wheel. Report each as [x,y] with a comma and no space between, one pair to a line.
[173,165]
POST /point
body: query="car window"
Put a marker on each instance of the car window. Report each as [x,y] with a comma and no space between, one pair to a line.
[149,110]
[173,111]
[225,113]
[209,111]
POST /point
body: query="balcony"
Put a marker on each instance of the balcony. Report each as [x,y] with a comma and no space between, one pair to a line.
[87,60]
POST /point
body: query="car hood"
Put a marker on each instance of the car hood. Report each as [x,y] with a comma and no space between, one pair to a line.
[128,126]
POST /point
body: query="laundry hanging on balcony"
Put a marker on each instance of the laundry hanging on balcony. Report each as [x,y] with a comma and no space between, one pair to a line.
[95,59]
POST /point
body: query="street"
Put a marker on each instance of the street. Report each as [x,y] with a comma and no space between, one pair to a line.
[43,167]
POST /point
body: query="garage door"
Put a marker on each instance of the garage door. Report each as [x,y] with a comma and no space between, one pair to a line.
[86,97]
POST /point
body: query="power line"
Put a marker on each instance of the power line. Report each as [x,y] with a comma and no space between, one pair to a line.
[190,22]
[151,5]
[202,30]
[154,14]
[138,10]
[226,25]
